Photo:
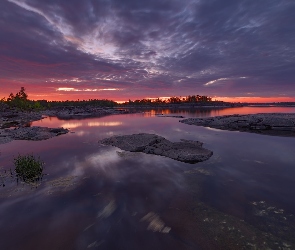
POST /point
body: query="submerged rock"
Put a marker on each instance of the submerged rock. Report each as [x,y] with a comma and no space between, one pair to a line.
[185,151]
[270,124]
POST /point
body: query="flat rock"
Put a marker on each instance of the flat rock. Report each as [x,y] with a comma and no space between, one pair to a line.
[173,116]
[68,113]
[279,124]
[184,151]
[30,133]
[17,118]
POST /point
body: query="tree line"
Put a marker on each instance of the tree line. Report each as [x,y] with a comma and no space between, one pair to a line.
[171,100]
[20,100]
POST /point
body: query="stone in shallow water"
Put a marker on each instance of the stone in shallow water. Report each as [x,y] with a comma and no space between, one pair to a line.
[185,151]
[280,124]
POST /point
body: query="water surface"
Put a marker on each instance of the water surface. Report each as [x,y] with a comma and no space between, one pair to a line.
[100,197]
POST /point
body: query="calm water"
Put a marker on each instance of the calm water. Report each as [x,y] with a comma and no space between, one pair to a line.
[99,197]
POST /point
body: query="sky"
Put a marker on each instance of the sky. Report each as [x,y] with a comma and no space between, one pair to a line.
[233,50]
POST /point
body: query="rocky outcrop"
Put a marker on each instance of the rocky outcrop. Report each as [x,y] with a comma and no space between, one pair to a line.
[185,151]
[68,113]
[15,118]
[173,116]
[15,125]
[30,133]
[270,124]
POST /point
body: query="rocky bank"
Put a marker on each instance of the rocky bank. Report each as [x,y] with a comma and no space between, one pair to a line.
[15,118]
[15,124]
[30,133]
[67,113]
[279,124]
[184,151]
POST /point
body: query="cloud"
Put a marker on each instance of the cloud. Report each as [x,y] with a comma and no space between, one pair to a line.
[149,48]
[85,90]
[221,80]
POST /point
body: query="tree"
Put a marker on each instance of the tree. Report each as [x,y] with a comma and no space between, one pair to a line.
[20,100]
[174,99]
[22,94]
[11,97]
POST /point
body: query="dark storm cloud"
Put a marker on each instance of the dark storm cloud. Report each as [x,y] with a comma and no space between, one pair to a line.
[216,47]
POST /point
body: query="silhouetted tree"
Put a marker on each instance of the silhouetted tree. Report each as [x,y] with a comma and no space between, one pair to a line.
[20,100]
[22,94]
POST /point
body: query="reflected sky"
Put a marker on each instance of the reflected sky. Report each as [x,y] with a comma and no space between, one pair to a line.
[209,111]
[92,193]
[78,123]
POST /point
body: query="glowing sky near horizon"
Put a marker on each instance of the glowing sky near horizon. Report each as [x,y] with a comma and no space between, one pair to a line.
[134,49]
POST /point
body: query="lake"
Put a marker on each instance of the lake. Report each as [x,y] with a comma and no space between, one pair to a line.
[100,197]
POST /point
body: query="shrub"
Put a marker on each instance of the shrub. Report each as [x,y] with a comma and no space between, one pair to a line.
[28,168]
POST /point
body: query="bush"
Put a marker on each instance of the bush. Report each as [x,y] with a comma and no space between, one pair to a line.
[28,168]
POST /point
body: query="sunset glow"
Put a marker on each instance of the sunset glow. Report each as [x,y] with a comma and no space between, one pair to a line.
[84,90]
[123,50]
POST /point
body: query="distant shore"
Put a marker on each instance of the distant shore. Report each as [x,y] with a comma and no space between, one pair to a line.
[16,124]
[212,104]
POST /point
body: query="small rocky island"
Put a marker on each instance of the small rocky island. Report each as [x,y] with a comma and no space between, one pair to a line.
[30,133]
[279,124]
[184,151]
[16,125]
[71,112]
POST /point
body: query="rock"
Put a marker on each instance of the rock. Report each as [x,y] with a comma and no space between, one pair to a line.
[58,131]
[184,151]
[173,116]
[16,118]
[280,124]
[71,112]
[284,128]
[30,133]
[16,125]
[4,140]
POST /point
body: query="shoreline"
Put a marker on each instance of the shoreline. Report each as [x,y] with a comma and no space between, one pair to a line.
[276,124]
[16,124]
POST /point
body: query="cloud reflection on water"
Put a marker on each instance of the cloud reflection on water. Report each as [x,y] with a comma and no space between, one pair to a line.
[91,179]
[71,125]
[104,124]
[103,159]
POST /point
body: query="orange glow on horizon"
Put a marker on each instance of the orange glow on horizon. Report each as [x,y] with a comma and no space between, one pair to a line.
[64,97]
[120,95]
[255,99]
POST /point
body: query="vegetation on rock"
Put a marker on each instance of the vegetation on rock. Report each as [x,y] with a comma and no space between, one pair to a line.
[20,101]
[28,168]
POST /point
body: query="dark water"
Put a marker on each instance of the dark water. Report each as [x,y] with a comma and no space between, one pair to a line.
[99,197]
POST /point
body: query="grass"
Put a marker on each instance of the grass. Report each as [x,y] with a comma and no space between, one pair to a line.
[28,168]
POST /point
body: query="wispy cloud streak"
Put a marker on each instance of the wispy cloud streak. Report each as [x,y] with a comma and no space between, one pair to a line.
[148,48]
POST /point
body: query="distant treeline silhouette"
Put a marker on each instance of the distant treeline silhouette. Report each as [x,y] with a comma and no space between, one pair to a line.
[20,100]
[171,100]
